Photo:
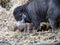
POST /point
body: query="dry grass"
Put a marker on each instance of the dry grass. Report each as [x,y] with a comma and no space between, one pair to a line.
[9,36]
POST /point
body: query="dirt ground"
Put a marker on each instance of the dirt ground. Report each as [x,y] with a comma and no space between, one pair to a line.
[10,37]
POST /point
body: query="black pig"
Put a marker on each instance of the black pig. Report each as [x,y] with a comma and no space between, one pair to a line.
[37,11]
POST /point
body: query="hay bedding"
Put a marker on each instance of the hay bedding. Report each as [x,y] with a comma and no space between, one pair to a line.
[10,37]
[20,38]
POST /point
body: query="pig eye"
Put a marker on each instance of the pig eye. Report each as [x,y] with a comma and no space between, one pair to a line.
[20,15]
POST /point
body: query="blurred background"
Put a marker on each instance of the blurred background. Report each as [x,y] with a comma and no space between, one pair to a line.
[7,22]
